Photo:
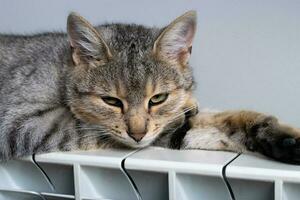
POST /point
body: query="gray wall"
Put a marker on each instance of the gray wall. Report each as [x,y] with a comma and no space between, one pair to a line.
[246,54]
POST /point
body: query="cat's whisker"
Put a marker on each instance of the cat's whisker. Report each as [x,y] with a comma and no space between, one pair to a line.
[186,110]
[177,116]
[94,135]
[89,128]
[82,129]
[97,138]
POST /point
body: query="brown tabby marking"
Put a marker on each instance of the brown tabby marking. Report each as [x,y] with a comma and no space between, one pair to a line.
[244,130]
[91,88]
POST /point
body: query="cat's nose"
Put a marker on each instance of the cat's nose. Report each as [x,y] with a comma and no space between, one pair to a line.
[137,136]
[137,126]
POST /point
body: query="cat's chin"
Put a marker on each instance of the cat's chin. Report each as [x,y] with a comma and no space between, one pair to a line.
[136,145]
[131,143]
[141,144]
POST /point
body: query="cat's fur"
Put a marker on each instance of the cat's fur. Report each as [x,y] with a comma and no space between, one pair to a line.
[53,88]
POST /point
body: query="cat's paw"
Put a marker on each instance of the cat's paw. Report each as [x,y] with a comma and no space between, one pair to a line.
[274,140]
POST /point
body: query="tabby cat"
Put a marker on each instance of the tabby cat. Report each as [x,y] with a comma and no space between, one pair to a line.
[119,85]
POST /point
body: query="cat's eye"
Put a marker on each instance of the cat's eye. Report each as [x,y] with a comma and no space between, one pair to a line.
[158,99]
[113,101]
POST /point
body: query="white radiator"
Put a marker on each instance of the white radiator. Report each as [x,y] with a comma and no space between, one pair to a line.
[148,174]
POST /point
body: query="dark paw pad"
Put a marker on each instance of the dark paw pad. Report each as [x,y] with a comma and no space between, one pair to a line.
[288,142]
[283,148]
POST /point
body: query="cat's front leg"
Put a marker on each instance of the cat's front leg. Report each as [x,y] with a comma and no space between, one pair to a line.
[240,131]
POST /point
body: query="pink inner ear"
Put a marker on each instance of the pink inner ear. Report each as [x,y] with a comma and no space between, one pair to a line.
[184,57]
[71,42]
[175,44]
[190,35]
[185,52]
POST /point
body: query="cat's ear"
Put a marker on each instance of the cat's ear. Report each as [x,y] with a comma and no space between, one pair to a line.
[174,44]
[87,44]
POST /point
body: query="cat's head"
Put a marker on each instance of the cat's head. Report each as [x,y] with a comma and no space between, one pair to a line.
[133,81]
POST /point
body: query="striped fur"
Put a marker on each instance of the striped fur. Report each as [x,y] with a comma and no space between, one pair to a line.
[52,86]
[54,89]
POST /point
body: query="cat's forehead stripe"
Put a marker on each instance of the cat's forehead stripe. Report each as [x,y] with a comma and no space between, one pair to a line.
[133,72]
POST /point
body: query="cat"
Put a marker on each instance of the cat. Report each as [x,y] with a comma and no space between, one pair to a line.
[119,86]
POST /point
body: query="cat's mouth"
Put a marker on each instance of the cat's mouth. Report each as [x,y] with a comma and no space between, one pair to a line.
[177,129]
[144,142]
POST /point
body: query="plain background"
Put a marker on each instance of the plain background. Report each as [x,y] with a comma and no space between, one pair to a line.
[246,54]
